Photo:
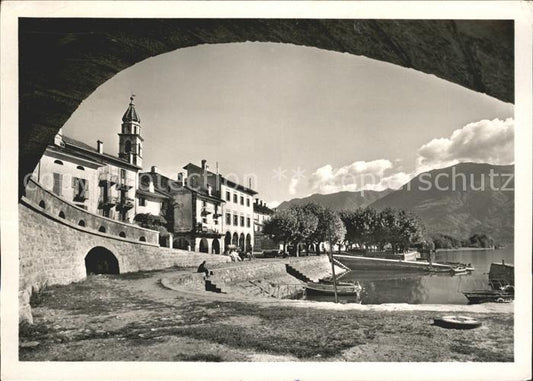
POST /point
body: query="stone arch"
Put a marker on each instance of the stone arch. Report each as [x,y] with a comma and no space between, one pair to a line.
[100,260]
[248,242]
[227,239]
[58,162]
[81,223]
[122,234]
[215,246]
[127,146]
[204,246]
[102,229]
[61,214]
[181,243]
[241,242]
[42,204]
[142,239]
[448,49]
[235,239]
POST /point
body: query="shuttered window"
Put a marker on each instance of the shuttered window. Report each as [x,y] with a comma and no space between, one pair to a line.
[58,183]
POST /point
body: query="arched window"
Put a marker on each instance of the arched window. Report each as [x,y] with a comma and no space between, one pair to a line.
[127,146]
[142,239]
[81,223]
[61,214]
[122,234]
[80,168]
[42,204]
[58,162]
[101,229]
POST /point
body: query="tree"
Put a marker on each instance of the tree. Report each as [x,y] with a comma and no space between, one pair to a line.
[318,236]
[281,226]
[306,224]
[411,230]
[149,221]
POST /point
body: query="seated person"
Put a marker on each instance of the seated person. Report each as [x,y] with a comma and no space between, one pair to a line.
[203,269]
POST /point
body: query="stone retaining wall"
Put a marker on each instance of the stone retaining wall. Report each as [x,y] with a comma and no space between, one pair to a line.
[52,251]
[268,276]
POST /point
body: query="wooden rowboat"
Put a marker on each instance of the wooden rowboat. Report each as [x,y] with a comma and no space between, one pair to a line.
[326,288]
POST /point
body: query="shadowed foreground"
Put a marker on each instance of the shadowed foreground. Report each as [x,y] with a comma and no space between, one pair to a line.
[132,318]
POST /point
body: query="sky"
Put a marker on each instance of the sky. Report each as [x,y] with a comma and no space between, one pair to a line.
[297,120]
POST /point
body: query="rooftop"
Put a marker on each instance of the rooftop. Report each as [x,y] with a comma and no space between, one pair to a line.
[93,153]
[223,180]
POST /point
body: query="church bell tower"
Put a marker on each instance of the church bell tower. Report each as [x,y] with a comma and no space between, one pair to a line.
[130,140]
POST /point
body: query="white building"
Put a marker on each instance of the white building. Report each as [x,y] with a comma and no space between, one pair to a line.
[91,179]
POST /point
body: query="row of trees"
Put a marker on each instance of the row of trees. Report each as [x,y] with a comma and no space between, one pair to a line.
[444,241]
[365,227]
[307,224]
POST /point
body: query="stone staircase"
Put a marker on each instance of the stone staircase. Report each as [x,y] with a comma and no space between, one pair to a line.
[211,287]
[297,274]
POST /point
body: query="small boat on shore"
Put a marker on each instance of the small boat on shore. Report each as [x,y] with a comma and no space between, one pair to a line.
[489,296]
[327,288]
[356,262]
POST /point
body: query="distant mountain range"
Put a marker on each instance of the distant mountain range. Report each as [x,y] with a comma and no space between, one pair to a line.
[443,200]
[340,200]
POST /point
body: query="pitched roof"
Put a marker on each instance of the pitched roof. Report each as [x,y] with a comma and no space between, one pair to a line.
[131,114]
[223,180]
[165,186]
[93,152]
[263,209]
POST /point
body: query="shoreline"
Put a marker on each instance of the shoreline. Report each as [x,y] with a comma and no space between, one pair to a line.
[467,249]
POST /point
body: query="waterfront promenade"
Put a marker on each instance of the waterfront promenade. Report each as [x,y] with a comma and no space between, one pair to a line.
[132,317]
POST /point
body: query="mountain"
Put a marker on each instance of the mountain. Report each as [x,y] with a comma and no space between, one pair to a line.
[340,200]
[448,204]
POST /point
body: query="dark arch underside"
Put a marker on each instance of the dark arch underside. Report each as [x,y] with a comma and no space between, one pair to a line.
[62,61]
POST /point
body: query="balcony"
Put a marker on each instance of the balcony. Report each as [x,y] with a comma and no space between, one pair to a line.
[81,197]
[205,231]
[106,203]
[125,203]
[125,184]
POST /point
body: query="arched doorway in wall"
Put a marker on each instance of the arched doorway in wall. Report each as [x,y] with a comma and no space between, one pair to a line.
[241,242]
[100,260]
[248,242]
[180,243]
[215,249]
[235,240]
[227,240]
[204,247]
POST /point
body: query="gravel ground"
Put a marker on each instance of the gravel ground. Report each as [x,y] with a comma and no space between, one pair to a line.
[131,317]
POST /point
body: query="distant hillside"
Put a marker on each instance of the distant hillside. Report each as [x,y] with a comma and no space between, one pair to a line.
[340,200]
[459,212]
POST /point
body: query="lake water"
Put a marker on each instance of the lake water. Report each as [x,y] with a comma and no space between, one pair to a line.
[427,288]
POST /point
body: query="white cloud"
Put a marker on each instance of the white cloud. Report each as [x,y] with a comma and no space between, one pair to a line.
[273,204]
[356,176]
[293,183]
[486,141]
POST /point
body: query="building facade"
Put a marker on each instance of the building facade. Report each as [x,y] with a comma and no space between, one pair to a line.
[262,213]
[90,179]
[237,225]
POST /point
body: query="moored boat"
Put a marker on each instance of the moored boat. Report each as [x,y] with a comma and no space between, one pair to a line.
[327,288]
[489,296]
[354,262]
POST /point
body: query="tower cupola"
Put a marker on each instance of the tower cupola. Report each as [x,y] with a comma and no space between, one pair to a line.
[130,139]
